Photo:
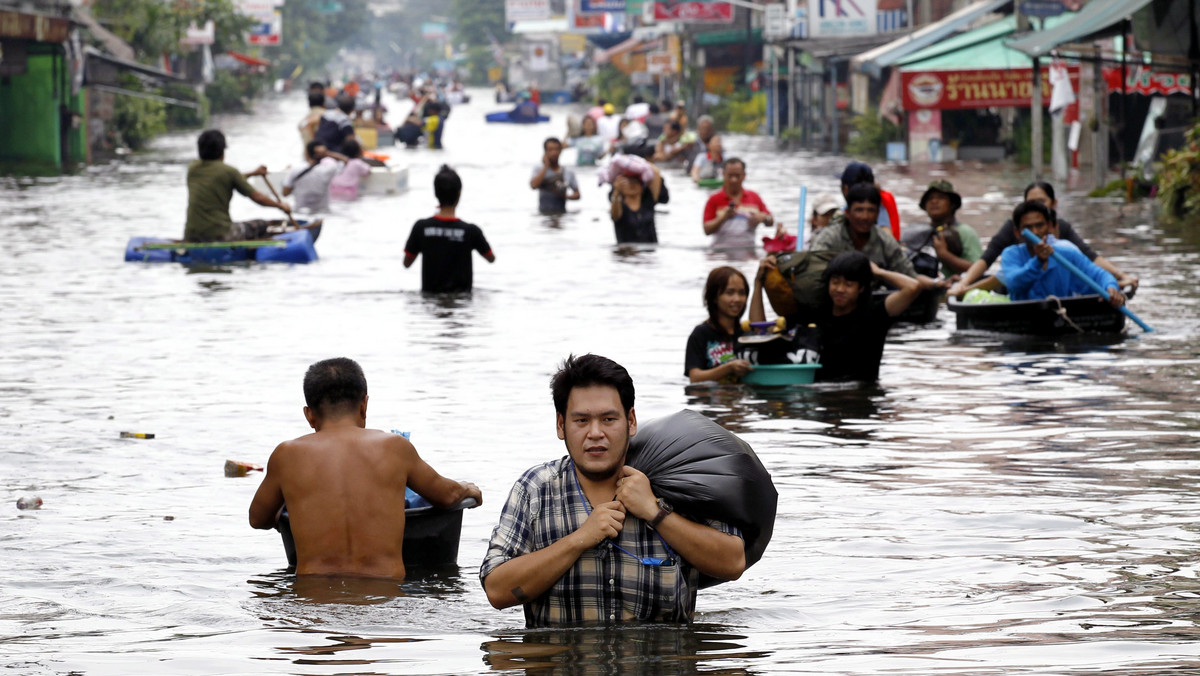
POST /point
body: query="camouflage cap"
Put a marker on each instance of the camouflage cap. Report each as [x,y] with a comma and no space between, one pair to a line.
[945,187]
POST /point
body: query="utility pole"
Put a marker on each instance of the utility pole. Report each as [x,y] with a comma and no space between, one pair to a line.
[1035,112]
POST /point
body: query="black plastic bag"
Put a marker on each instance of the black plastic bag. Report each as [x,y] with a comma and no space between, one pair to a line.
[705,472]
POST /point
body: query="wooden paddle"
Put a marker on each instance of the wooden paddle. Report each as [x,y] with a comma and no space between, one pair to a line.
[1088,280]
[277,199]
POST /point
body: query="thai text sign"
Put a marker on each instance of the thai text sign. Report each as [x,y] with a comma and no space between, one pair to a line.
[1141,81]
[693,12]
[600,6]
[526,10]
[841,17]
[959,89]
[659,63]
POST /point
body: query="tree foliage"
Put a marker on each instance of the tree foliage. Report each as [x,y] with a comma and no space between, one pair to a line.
[1179,179]
[314,31]
[153,28]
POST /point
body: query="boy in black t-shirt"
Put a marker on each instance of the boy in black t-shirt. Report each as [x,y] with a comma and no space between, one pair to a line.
[446,241]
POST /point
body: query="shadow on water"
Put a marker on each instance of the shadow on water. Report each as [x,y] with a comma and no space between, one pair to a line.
[646,649]
[739,407]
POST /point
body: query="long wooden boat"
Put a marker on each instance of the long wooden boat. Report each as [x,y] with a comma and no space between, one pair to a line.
[290,246]
[431,535]
[1042,317]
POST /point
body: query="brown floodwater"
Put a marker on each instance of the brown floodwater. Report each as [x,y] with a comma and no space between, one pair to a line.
[992,506]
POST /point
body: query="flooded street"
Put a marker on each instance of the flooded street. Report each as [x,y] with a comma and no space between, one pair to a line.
[991,507]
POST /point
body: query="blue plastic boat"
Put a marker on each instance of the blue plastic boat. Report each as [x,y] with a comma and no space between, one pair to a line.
[288,247]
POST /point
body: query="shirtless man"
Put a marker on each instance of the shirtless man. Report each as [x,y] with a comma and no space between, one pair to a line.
[344,484]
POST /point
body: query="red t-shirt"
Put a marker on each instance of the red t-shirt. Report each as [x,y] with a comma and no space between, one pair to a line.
[736,232]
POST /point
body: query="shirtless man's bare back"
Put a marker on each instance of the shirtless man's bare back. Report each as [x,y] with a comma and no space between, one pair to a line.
[344,484]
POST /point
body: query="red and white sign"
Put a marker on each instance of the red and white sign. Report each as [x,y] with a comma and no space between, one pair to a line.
[693,12]
[660,63]
[526,10]
[1141,81]
[962,89]
[199,36]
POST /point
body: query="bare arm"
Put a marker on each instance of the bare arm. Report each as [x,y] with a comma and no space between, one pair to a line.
[408,259]
[536,181]
[434,487]
[736,367]
[1122,278]
[616,205]
[526,577]
[708,549]
[656,184]
[717,221]
[907,289]
[268,499]
[758,312]
[489,256]
[973,273]
[268,202]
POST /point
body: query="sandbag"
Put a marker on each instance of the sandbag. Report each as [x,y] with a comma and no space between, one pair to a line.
[803,270]
[626,165]
[705,472]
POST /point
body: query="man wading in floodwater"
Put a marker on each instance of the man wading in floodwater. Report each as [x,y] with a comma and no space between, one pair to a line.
[583,539]
[344,484]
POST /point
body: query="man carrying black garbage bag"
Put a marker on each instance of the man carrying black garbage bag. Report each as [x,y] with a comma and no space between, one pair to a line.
[585,539]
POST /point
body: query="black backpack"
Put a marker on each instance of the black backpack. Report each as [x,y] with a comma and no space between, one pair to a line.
[803,271]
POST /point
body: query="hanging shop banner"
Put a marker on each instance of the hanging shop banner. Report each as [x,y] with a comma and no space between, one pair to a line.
[601,6]
[961,89]
[526,10]
[1141,81]
[591,22]
[829,18]
[693,12]
[661,63]
[267,32]
[434,30]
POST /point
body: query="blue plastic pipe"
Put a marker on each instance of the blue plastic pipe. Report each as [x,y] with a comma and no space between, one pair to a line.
[800,228]
[1090,282]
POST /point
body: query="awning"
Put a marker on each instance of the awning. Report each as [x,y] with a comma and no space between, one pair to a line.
[248,60]
[874,61]
[835,47]
[982,49]
[727,37]
[102,69]
[630,45]
[1097,19]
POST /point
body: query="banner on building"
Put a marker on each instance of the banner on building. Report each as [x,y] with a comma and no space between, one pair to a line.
[197,35]
[696,11]
[434,30]
[539,57]
[829,18]
[962,89]
[1142,81]
[661,63]
[600,6]
[267,26]
[584,19]
[526,10]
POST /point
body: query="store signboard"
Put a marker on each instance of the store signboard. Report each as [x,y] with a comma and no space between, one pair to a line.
[526,10]
[601,6]
[830,18]
[1142,81]
[661,63]
[963,89]
[693,12]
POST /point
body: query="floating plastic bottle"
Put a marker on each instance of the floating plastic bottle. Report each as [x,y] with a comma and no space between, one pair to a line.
[137,435]
[29,502]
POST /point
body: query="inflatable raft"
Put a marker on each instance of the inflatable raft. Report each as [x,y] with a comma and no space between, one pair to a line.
[295,246]
[431,535]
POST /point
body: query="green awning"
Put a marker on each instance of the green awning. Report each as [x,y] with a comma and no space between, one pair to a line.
[981,49]
[728,37]
[1097,19]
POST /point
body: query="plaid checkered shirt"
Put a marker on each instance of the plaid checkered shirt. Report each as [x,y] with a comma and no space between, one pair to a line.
[605,585]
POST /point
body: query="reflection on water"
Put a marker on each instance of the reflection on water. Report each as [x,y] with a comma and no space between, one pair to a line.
[661,650]
[991,506]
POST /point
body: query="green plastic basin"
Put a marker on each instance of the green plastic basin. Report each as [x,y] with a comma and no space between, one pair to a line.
[781,374]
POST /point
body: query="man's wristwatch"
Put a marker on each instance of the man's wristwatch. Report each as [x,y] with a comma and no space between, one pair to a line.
[663,510]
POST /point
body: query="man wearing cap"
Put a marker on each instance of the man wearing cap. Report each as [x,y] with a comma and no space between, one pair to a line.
[825,206]
[857,231]
[889,215]
[609,126]
[954,244]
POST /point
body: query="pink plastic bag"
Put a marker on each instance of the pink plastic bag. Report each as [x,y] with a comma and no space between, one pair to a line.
[627,165]
[784,242]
